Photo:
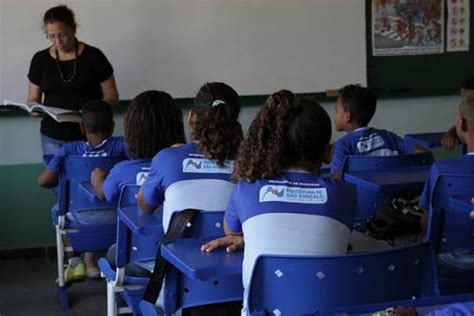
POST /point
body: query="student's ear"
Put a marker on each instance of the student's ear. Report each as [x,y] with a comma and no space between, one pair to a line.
[191,118]
[347,116]
[464,125]
[327,158]
[83,129]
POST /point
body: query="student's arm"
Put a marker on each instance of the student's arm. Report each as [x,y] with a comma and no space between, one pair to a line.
[109,91]
[340,152]
[420,150]
[48,179]
[450,139]
[233,241]
[97,179]
[142,204]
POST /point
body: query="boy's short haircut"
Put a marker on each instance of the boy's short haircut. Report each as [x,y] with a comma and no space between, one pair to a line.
[360,102]
[97,117]
[468,83]
[466,109]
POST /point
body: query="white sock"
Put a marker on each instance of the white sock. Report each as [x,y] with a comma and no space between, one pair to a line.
[74,261]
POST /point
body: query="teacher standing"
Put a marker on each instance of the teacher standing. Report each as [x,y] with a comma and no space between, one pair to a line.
[66,75]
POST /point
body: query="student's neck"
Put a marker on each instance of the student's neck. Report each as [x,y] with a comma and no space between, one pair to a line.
[96,139]
[469,142]
[352,127]
[311,167]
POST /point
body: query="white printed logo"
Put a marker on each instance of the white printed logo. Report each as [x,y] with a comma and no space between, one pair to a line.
[141,177]
[279,193]
[370,143]
[198,165]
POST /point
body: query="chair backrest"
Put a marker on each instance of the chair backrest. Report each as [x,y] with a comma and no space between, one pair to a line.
[442,222]
[303,285]
[367,200]
[206,224]
[77,169]
[354,163]
[128,196]
[203,194]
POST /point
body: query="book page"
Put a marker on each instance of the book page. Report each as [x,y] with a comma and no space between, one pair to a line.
[23,106]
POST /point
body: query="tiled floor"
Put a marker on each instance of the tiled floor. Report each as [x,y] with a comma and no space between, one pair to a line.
[27,288]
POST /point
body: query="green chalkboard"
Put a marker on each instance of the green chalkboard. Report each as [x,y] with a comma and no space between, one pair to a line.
[418,75]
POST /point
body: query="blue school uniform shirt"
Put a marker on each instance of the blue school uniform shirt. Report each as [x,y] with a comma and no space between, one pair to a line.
[127,172]
[370,142]
[181,177]
[110,147]
[298,213]
[458,309]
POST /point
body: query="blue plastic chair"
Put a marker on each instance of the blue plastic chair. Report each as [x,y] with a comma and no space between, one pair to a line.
[367,200]
[181,292]
[130,248]
[450,230]
[75,198]
[302,285]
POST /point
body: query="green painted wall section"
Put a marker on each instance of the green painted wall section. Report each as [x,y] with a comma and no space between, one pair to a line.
[25,208]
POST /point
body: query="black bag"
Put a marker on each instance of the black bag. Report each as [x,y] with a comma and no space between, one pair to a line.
[176,229]
[395,218]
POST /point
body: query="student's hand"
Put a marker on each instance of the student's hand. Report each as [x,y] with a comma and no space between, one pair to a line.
[232,243]
[98,176]
[472,213]
[450,139]
[405,311]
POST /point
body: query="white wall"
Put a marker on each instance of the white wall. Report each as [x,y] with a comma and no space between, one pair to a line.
[256,46]
[20,143]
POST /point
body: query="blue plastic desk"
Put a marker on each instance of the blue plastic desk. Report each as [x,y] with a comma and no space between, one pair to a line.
[139,222]
[186,256]
[390,180]
[428,140]
[461,202]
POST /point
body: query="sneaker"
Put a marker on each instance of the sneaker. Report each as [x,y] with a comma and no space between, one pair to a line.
[92,273]
[76,274]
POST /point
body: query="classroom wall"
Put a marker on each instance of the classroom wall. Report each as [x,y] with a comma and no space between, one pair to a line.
[25,207]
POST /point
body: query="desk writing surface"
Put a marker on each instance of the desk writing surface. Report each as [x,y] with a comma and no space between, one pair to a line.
[462,202]
[140,222]
[428,140]
[387,180]
[186,256]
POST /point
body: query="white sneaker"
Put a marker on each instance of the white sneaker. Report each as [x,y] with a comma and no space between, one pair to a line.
[92,273]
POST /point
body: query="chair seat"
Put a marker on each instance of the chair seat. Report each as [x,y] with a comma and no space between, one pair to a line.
[110,274]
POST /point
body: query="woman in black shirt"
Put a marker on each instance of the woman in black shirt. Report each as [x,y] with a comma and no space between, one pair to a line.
[66,75]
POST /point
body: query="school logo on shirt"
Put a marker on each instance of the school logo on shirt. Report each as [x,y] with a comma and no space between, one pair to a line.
[142,176]
[280,193]
[199,165]
[366,144]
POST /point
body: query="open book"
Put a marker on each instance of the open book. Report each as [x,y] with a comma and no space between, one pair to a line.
[58,114]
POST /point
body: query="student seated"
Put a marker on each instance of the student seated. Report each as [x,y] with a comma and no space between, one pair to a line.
[196,175]
[463,165]
[97,125]
[354,109]
[152,122]
[450,138]
[281,204]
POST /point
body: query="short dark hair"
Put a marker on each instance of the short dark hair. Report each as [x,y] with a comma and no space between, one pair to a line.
[287,130]
[60,13]
[152,122]
[217,128]
[97,117]
[468,83]
[360,102]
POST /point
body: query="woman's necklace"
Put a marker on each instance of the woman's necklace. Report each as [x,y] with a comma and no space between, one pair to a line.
[74,69]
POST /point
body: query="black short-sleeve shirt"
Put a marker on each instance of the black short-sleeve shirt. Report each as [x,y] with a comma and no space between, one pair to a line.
[92,69]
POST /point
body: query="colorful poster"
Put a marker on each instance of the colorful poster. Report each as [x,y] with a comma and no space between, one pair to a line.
[407,27]
[458,25]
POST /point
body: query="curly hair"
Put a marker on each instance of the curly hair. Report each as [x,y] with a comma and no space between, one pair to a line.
[152,122]
[217,128]
[287,130]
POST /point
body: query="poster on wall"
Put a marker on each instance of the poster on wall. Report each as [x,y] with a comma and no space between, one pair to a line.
[458,25]
[407,27]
